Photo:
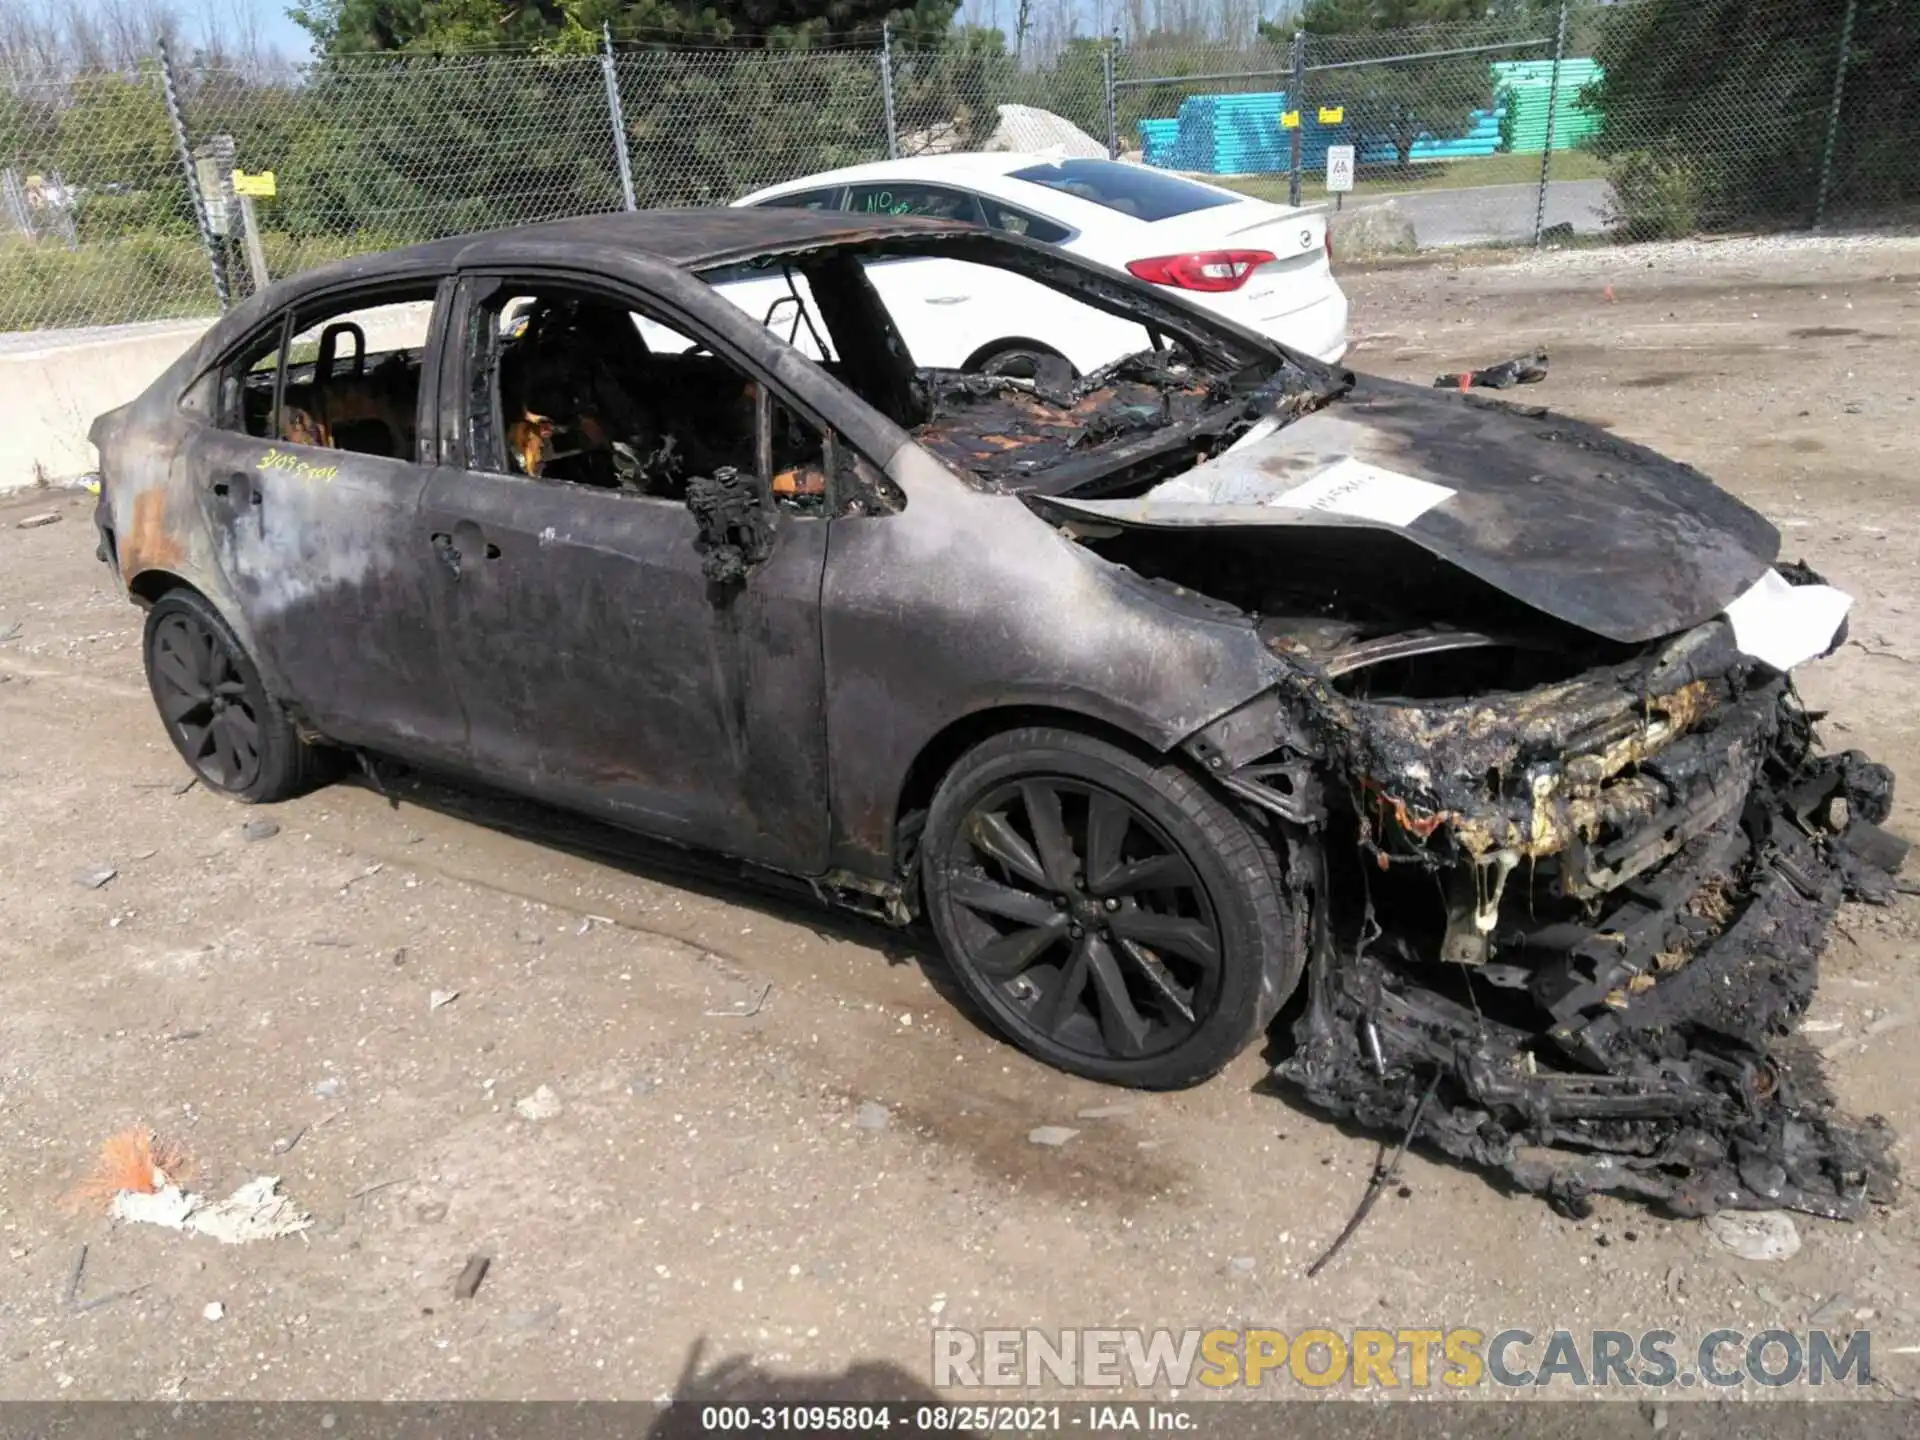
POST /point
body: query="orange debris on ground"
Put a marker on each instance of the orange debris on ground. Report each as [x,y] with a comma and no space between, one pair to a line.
[135,1160]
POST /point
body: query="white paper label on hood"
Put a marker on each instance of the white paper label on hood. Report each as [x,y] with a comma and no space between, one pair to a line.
[1365,492]
[1784,625]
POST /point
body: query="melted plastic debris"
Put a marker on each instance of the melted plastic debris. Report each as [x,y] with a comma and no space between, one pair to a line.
[255,1211]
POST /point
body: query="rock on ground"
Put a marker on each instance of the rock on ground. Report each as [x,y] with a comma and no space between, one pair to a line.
[1755,1234]
[1380,229]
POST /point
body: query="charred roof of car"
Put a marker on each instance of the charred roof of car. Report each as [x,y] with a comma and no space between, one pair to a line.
[700,241]
[690,238]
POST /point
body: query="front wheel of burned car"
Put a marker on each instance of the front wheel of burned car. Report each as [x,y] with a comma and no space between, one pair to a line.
[1110,913]
[232,733]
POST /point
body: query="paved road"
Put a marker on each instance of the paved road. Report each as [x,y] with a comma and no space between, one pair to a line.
[1492,213]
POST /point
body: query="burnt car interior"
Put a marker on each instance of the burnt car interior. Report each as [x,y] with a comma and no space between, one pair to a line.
[1113,432]
[566,387]
[334,390]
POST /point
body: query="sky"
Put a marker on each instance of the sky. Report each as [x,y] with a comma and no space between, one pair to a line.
[276,29]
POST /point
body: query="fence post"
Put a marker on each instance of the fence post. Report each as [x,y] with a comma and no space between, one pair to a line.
[1113,99]
[1546,152]
[617,115]
[886,90]
[1296,88]
[216,258]
[1833,118]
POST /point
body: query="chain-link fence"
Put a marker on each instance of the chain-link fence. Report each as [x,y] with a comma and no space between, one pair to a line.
[139,194]
[1386,112]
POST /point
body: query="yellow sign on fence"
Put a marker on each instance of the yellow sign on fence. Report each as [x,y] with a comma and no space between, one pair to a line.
[260,186]
[1332,114]
[1290,120]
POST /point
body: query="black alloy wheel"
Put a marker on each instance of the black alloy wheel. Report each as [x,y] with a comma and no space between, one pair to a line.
[232,733]
[1112,916]
[203,698]
[1086,917]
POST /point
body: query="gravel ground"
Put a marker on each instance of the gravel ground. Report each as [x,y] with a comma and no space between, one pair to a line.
[763,1133]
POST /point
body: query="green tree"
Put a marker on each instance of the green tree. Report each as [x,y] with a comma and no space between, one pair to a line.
[113,147]
[437,131]
[1718,109]
[453,26]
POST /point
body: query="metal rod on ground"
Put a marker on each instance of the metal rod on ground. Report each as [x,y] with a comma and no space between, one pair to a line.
[1296,88]
[617,115]
[216,260]
[1385,1171]
[1833,117]
[1113,106]
[1546,151]
[886,90]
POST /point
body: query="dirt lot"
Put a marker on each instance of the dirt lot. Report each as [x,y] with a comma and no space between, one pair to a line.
[705,1180]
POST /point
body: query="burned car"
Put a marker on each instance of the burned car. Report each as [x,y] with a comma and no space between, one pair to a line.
[1164,693]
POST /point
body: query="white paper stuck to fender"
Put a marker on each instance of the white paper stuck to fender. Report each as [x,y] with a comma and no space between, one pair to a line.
[1784,625]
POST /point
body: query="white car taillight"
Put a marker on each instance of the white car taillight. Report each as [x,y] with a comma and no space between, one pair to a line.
[1214,270]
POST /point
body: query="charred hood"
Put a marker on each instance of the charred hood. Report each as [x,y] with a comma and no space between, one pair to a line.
[1562,516]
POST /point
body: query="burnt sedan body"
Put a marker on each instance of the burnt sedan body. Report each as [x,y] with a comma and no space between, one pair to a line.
[1163,692]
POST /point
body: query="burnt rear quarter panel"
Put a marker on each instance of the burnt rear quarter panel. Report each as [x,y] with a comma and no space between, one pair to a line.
[149,500]
[966,602]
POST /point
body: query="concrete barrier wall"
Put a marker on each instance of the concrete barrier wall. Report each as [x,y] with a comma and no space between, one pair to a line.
[53,384]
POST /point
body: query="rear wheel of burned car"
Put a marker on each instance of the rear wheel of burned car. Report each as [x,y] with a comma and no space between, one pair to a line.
[1109,913]
[232,733]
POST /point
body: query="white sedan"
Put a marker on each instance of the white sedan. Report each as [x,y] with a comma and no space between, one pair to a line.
[1266,266]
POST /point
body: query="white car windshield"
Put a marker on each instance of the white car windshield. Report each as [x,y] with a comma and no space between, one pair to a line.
[1131,189]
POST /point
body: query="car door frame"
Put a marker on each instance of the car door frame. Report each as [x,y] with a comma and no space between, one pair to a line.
[311,472]
[798,836]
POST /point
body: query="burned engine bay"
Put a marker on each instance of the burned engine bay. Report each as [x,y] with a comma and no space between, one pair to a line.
[1563,894]
[1593,912]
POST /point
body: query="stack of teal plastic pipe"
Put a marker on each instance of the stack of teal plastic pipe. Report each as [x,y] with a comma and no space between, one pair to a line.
[1524,87]
[1241,134]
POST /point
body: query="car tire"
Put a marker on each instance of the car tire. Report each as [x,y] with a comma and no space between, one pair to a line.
[233,734]
[1026,362]
[1147,953]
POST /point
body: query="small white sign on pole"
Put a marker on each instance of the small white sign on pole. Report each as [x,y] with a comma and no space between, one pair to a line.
[1339,167]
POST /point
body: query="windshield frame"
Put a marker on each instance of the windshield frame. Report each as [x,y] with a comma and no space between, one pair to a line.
[1207,333]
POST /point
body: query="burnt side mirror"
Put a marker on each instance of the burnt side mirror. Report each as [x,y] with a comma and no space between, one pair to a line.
[734,525]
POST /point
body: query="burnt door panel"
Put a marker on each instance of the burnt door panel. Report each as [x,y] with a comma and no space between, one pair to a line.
[600,670]
[317,545]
